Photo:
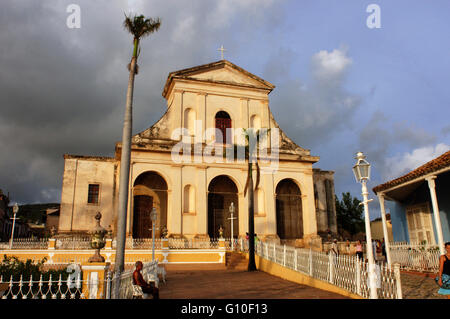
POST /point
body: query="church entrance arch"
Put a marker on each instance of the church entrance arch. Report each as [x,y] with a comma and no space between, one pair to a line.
[222,191]
[149,190]
[289,210]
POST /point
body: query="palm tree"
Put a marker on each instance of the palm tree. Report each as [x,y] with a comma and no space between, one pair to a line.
[252,137]
[139,27]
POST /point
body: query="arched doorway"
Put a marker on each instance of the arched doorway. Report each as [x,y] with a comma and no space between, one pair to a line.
[289,210]
[149,190]
[222,191]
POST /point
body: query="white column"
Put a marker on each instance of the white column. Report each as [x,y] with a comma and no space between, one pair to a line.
[398,280]
[437,218]
[385,231]
[369,249]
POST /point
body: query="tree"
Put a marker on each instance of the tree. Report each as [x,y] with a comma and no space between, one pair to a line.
[139,27]
[349,215]
[252,136]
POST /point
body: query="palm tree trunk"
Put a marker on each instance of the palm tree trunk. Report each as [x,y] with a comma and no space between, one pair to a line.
[251,221]
[125,169]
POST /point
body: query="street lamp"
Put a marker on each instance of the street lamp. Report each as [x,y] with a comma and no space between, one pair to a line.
[362,174]
[15,210]
[153,217]
[231,221]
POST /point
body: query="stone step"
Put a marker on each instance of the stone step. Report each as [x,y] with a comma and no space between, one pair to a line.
[236,261]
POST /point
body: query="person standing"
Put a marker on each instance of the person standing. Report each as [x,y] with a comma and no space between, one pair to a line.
[334,248]
[383,249]
[444,272]
[359,250]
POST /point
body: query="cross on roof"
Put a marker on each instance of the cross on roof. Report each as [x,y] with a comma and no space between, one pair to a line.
[221,49]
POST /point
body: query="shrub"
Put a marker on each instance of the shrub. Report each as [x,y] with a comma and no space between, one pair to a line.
[12,266]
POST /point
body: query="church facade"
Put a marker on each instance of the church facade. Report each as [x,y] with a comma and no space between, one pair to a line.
[181,166]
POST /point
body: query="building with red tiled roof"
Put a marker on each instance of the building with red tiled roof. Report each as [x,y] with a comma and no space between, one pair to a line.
[419,202]
[435,166]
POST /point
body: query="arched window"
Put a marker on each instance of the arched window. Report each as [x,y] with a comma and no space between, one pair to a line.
[189,121]
[189,199]
[255,122]
[223,121]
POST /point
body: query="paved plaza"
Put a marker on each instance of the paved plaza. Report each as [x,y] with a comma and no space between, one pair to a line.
[419,286]
[218,282]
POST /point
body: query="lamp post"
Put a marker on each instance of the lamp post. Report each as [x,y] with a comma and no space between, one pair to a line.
[153,217]
[15,210]
[232,218]
[362,174]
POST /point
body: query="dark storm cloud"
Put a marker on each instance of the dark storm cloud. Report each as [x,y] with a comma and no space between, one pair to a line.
[380,137]
[63,90]
[53,100]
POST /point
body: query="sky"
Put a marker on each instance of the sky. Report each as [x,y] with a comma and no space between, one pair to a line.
[383,91]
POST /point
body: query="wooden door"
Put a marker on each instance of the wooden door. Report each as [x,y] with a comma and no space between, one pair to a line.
[289,211]
[142,222]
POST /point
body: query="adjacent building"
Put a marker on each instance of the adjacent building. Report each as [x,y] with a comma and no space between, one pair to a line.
[420,203]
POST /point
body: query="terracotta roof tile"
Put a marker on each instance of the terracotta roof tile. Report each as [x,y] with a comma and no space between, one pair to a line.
[430,167]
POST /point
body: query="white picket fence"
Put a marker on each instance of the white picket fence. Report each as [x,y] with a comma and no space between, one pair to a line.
[25,243]
[83,243]
[347,272]
[73,243]
[177,243]
[417,257]
[52,288]
[72,286]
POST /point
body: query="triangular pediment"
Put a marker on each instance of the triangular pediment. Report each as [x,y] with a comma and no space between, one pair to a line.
[227,74]
[222,72]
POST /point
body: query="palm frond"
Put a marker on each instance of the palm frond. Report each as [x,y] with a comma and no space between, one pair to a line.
[139,26]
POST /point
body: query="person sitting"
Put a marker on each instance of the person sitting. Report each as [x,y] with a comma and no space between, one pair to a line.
[443,280]
[138,279]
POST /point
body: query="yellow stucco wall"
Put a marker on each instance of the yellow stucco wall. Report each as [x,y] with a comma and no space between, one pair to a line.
[131,256]
[376,228]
